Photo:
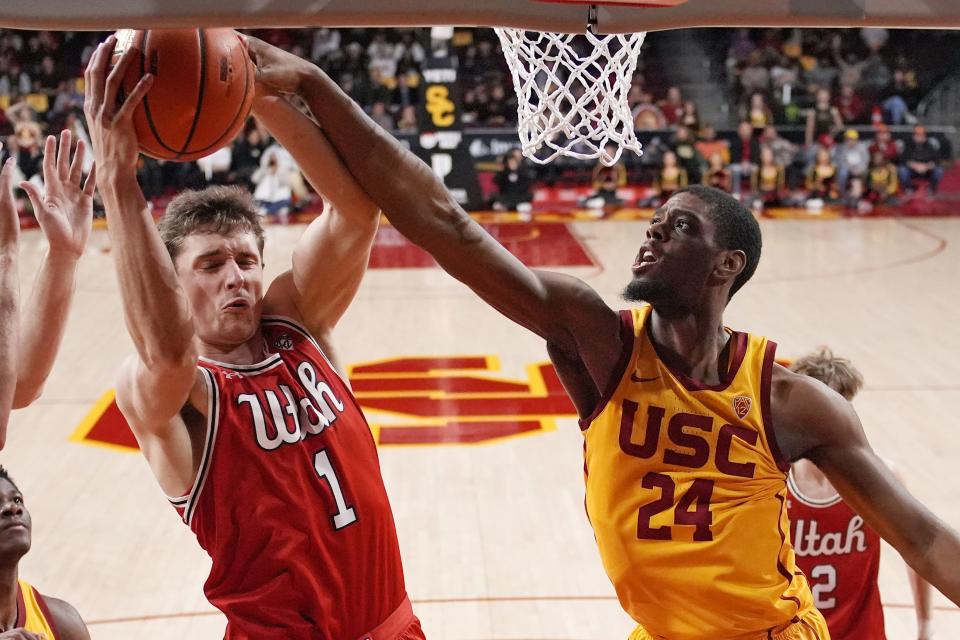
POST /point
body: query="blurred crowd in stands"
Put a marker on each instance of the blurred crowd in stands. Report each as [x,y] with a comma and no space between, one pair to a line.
[815,108]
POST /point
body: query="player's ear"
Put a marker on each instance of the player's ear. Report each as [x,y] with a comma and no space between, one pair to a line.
[730,263]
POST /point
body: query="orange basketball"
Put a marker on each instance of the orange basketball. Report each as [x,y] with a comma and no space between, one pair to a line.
[201,94]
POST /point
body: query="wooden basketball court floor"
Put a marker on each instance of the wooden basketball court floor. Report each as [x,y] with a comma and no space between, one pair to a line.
[494,538]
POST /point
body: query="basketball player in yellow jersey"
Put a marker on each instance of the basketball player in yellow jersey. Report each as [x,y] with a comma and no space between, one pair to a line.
[24,613]
[689,426]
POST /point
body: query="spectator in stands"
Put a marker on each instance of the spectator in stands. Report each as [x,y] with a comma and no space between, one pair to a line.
[248,149]
[709,144]
[272,191]
[514,184]
[757,113]
[718,175]
[14,81]
[409,51]
[822,177]
[882,181]
[851,107]
[744,155]
[885,144]
[379,114]
[691,116]
[326,45]
[823,119]
[920,161]
[607,180]
[670,178]
[48,77]
[687,154]
[851,159]
[407,122]
[768,180]
[647,115]
[820,74]
[500,109]
[672,106]
[383,60]
[755,77]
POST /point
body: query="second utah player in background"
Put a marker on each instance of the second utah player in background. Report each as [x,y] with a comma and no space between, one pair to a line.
[836,549]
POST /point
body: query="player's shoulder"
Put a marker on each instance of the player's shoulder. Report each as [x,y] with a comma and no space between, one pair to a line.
[807,413]
[69,625]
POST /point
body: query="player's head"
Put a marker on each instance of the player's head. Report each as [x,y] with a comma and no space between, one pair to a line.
[216,242]
[15,522]
[702,243]
[837,373]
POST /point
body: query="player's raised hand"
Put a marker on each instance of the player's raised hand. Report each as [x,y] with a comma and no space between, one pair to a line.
[110,121]
[9,221]
[65,208]
[277,70]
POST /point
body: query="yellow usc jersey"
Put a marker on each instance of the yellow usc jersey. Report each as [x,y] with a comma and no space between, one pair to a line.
[686,494]
[32,612]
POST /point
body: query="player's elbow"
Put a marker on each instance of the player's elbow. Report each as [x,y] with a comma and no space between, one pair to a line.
[170,358]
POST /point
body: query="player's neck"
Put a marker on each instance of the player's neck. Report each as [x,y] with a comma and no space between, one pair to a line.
[8,596]
[250,352]
[691,344]
[811,481]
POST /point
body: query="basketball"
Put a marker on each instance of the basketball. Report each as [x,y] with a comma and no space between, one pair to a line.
[201,94]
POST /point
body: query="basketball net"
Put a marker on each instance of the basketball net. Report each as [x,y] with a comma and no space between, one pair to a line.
[572,92]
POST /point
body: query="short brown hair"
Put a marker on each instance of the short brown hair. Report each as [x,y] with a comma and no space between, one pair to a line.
[221,210]
[837,373]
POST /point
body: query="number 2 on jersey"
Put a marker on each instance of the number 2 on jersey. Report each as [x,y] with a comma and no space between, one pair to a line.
[693,508]
[345,515]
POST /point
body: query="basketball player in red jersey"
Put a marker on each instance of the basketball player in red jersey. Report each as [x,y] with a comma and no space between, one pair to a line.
[235,395]
[64,210]
[24,613]
[838,552]
[701,246]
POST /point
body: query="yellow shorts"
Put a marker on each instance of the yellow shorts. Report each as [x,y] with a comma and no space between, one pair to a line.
[812,626]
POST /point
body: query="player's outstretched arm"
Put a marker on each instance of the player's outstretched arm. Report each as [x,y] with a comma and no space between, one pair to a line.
[153,386]
[812,421]
[65,213]
[9,296]
[564,311]
[331,257]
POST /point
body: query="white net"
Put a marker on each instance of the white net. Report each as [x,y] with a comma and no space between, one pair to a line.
[572,93]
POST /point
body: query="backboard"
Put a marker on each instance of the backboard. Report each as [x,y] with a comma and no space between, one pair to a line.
[532,14]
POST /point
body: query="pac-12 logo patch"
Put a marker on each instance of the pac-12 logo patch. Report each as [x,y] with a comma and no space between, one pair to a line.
[742,404]
[286,343]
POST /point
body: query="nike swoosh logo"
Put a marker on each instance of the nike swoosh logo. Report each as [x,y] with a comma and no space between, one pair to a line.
[633,376]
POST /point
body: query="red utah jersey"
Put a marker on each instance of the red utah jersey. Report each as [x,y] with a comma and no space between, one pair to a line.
[289,501]
[840,555]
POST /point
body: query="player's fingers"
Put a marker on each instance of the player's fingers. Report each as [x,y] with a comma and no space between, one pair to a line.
[36,198]
[63,154]
[96,73]
[6,178]
[115,80]
[139,91]
[49,159]
[91,182]
[76,167]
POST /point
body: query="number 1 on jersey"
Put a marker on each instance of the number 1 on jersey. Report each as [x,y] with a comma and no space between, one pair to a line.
[345,515]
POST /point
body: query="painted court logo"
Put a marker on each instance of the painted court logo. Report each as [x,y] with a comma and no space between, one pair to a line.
[741,405]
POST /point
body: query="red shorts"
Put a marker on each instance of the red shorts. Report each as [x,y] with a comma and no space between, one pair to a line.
[399,625]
